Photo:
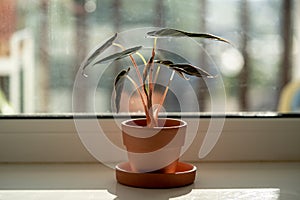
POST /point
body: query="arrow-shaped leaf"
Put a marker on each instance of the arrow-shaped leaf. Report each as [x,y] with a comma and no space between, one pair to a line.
[119,85]
[191,70]
[164,62]
[98,51]
[168,32]
[119,55]
[185,68]
[168,63]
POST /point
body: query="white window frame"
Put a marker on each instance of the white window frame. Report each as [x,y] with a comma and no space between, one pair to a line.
[49,138]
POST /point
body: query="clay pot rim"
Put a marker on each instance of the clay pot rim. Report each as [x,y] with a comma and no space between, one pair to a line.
[182,124]
[187,168]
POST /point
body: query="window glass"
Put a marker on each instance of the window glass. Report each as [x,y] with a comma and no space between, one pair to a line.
[43,43]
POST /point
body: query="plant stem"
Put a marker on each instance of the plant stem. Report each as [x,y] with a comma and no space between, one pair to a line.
[142,98]
[154,121]
[133,62]
[164,95]
[142,57]
[150,83]
[156,74]
[142,95]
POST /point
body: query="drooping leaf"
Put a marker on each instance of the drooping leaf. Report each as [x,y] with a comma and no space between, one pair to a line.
[191,70]
[165,55]
[181,74]
[164,62]
[119,85]
[185,68]
[168,63]
[119,55]
[168,32]
[98,51]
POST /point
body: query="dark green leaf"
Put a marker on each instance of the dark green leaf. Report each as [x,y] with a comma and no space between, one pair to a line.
[98,51]
[181,74]
[119,55]
[164,62]
[119,85]
[168,32]
[182,69]
[168,63]
[191,70]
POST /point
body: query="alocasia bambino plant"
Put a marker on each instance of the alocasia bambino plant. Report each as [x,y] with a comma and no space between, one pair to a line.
[147,78]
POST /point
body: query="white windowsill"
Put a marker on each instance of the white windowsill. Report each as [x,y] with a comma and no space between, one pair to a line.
[54,139]
[43,158]
[214,181]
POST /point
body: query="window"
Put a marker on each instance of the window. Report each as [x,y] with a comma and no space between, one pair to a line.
[42,44]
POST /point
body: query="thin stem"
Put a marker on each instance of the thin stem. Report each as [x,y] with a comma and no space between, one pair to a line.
[150,83]
[144,95]
[141,96]
[133,62]
[155,42]
[164,95]
[119,45]
[142,57]
[156,74]
[151,86]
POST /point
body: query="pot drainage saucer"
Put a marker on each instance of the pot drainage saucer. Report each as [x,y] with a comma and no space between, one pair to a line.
[184,175]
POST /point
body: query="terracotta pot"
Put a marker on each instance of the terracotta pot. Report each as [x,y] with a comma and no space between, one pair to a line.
[154,149]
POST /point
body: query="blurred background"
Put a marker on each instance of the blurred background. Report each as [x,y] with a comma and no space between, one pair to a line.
[43,42]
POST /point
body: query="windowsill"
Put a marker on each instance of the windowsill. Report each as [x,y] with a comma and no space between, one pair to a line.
[93,180]
[40,155]
[251,138]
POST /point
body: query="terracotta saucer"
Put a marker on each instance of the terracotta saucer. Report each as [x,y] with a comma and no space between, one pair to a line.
[184,175]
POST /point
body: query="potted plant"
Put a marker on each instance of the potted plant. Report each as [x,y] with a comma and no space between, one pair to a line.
[151,138]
